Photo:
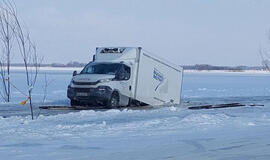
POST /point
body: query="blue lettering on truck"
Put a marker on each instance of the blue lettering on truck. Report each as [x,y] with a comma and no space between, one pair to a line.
[159,77]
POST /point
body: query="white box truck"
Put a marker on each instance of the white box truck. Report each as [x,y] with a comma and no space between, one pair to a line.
[122,76]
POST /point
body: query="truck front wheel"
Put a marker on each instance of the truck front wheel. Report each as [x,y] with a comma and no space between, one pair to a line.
[114,101]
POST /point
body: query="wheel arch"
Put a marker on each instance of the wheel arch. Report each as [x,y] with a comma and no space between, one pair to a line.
[123,100]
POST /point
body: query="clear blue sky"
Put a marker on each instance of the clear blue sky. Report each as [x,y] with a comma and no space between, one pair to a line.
[218,32]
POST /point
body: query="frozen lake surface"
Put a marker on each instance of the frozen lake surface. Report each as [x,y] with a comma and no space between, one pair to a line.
[171,132]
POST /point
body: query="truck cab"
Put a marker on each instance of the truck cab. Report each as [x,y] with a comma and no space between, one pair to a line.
[102,82]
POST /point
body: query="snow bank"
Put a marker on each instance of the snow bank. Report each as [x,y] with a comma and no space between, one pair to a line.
[171,132]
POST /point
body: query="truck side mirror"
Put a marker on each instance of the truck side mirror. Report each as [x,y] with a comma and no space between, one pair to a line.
[74,73]
[120,76]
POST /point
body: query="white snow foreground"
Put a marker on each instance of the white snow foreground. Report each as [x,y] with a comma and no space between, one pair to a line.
[166,133]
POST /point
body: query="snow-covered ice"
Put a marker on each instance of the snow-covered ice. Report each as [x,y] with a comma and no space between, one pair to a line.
[170,132]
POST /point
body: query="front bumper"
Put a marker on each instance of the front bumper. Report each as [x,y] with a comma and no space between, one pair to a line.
[100,95]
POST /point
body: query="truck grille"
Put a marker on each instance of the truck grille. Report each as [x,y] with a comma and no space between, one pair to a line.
[84,89]
[85,83]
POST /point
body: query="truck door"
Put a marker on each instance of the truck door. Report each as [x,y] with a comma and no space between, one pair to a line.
[125,80]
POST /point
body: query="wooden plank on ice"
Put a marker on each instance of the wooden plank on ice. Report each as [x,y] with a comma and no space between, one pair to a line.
[228,105]
[57,107]
[93,108]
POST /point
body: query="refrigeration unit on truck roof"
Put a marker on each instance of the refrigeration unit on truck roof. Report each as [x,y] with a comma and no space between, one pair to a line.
[120,76]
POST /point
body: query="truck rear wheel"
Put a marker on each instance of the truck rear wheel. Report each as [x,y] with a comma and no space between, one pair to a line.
[114,101]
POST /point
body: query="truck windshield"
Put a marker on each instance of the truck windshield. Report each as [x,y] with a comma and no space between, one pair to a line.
[101,68]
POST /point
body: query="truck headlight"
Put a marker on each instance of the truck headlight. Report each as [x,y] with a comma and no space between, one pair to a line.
[104,80]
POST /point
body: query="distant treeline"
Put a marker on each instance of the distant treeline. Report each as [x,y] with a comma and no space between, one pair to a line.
[69,64]
[186,67]
[210,67]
